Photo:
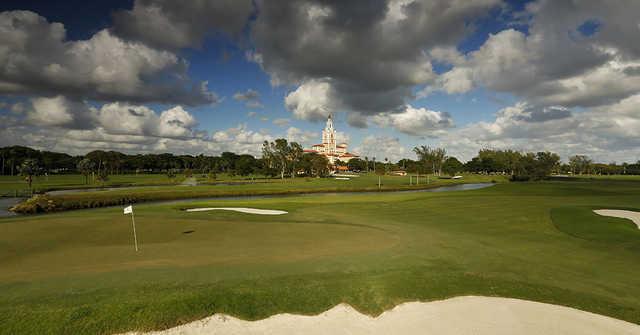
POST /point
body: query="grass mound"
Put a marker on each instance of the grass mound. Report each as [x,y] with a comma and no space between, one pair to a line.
[582,222]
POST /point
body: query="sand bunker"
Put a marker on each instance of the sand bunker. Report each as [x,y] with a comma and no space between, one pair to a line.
[618,213]
[239,209]
[461,315]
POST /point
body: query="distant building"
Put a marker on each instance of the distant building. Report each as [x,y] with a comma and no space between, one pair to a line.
[329,146]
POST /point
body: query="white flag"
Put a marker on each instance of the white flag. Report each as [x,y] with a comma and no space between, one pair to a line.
[128,209]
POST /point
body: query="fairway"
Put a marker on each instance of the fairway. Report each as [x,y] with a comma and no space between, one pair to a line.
[76,272]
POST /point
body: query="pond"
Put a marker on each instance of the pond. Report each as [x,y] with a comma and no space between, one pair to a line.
[5,203]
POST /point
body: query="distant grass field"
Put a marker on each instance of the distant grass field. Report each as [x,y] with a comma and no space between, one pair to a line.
[626,177]
[77,273]
[118,196]
[10,184]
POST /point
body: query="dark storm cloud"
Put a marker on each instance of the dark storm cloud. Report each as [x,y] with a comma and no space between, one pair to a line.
[173,24]
[36,58]
[371,52]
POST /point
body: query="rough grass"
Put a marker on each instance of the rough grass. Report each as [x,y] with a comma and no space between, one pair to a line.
[76,272]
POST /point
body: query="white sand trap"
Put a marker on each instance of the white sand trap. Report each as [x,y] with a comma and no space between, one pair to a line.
[618,213]
[460,316]
[239,209]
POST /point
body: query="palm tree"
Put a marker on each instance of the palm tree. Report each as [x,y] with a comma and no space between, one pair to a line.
[28,169]
[85,167]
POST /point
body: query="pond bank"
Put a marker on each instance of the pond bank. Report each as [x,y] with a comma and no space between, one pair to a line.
[47,203]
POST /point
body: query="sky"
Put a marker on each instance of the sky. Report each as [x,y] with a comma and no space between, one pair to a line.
[200,76]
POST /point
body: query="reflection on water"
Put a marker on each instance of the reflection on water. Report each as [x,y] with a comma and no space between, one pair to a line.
[6,203]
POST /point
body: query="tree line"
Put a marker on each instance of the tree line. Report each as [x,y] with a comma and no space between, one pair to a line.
[287,159]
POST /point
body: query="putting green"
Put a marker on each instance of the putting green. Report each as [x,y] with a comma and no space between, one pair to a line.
[76,272]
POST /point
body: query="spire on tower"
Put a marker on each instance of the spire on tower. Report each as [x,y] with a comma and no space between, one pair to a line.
[329,122]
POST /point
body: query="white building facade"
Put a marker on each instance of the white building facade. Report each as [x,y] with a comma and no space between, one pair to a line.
[329,147]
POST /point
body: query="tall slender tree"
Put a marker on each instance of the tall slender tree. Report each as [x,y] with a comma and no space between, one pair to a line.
[28,169]
[86,167]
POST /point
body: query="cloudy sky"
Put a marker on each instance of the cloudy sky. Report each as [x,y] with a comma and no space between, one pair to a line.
[224,75]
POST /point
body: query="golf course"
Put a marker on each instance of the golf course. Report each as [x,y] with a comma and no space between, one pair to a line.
[76,272]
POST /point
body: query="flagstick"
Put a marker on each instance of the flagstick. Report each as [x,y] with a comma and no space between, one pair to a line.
[135,238]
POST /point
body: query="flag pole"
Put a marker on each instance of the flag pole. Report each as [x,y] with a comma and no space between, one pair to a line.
[133,223]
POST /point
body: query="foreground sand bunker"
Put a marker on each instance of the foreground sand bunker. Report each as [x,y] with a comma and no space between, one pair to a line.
[239,209]
[618,213]
[461,315]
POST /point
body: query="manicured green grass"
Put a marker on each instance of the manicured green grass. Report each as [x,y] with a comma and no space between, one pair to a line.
[76,272]
[625,177]
[118,196]
[582,222]
[10,184]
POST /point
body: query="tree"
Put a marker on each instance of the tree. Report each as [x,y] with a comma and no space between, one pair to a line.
[171,173]
[294,156]
[245,165]
[545,163]
[281,155]
[85,167]
[386,165]
[228,162]
[452,166]
[357,164]
[431,158]
[102,176]
[319,165]
[28,169]
[580,164]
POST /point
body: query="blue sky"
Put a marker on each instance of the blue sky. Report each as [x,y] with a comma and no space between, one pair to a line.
[490,91]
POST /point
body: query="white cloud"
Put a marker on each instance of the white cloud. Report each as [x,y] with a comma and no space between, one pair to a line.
[176,122]
[416,121]
[606,133]
[50,111]
[305,138]
[251,98]
[282,122]
[80,141]
[313,100]
[381,147]
[555,63]
[36,58]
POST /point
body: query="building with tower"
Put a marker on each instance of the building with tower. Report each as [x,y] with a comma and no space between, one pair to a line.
[330,147]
